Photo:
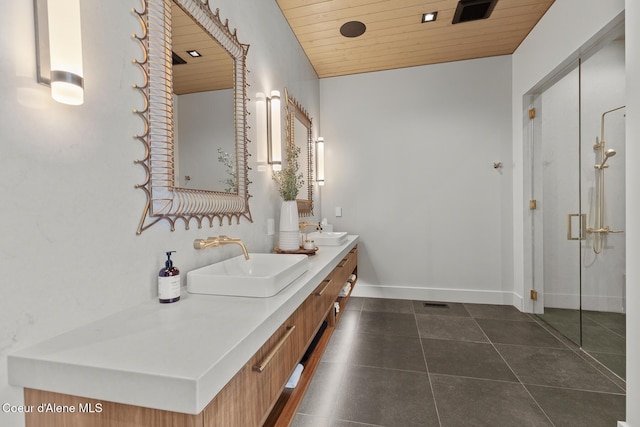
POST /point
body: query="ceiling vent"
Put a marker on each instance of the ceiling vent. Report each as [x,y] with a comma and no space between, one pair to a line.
[472,10]
[176,59]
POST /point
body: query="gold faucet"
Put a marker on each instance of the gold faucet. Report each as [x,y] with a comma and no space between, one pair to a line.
[220,240]
[303,225]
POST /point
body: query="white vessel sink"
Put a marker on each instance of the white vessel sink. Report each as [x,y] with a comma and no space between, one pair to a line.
[328,238]
[261,276]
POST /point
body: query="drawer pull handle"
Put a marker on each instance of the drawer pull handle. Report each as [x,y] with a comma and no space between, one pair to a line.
[319,294]
[342,263]
[262,366]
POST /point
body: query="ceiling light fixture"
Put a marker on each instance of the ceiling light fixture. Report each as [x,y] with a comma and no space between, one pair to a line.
[429,17]
[194,53]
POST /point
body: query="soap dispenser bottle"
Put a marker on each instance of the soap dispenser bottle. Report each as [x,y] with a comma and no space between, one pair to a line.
[169,282]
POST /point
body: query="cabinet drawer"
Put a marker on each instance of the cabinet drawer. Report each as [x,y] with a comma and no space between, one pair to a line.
[352,261]
[322,299]
[247,399]
[346,266]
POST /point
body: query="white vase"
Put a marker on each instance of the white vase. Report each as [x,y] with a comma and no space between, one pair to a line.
[289,234]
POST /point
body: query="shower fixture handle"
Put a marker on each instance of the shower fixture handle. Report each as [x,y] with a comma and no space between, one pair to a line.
[603,230]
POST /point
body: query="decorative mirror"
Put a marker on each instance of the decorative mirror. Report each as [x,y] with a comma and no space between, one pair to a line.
[176,95]
[299,134]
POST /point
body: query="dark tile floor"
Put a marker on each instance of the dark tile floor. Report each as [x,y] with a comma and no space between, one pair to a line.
[400,363]
[603,334]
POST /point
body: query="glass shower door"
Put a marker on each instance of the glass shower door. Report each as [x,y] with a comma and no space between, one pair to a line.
[559,193]
[603,203]
[579,177]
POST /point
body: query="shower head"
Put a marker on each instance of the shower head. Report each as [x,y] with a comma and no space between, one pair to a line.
[609,153]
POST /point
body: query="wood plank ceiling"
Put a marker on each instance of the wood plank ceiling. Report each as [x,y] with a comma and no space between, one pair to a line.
[395,36]
[211,71]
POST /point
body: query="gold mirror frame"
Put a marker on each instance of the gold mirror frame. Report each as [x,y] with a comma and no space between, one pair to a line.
[165,201]
[296,111]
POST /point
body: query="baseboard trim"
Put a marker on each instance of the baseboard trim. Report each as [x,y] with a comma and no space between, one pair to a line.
[436,294]
[623,424]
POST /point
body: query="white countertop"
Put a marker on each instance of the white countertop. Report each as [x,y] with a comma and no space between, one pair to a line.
[174,357]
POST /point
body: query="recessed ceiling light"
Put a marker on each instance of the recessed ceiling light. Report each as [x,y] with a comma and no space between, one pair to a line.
[194,53]
[353,29]
[429,16]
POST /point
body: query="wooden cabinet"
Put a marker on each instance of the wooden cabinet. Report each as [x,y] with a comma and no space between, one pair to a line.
[97,413]
[255,396]
[285,409]
[248,398]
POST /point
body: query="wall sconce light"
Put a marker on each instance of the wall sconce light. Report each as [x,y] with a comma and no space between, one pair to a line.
[59,49]
[261,126]
[275,131]
[320,160]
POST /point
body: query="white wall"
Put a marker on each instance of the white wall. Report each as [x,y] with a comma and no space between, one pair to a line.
[69,252]
[409,158]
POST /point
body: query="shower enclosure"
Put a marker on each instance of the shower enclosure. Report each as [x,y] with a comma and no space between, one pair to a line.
[577,151]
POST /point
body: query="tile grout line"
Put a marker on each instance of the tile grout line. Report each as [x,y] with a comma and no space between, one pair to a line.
[592,361]
[576,389]
[424,357]
[511,369]
[600,367]
[612,331]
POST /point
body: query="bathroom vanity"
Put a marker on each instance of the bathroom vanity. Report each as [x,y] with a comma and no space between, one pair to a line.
[204,361]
